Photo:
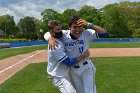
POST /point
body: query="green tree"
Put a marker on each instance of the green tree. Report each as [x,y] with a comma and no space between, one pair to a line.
[114,22]
[131,13]
[65,17]
[48,14]
[27,26]
[7,24]
[136,33]
[88,13]
[39,29]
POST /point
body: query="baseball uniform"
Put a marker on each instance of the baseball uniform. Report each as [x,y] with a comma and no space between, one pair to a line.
[82,73]
[58,70]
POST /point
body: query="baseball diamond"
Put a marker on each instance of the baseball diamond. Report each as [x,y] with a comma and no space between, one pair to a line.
[41,56]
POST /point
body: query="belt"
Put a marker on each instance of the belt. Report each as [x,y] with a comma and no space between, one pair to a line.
[79,66]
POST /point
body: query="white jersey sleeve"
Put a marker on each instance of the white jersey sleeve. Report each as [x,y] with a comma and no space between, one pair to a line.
[90,34]
[58,53]
[55,66]
[47,35]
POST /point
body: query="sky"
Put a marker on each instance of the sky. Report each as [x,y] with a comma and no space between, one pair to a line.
[21,8]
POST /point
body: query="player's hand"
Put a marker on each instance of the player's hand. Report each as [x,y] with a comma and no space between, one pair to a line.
[86,54]
[83,56]
[52,43]
[82,22]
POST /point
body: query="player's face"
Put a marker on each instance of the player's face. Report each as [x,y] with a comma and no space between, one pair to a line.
[76,30]
[57,32]
[57,29]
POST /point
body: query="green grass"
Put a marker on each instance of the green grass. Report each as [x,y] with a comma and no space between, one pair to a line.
[115,45]
[118,74]
[8,52]
[114,75]
[32,79]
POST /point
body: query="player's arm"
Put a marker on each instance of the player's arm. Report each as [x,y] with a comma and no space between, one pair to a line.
[83,56]
[52,42]
[59,54]
[102,32]
[71,61]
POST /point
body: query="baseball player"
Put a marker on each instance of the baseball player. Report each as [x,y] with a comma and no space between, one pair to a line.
[59,62]
[76,41]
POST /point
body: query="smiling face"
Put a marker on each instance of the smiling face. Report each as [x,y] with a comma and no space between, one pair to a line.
[76,30]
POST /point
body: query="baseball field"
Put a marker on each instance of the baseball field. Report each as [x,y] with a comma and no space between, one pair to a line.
[119,74]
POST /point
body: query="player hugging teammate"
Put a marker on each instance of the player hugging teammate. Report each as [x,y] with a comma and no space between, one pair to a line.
[66,47]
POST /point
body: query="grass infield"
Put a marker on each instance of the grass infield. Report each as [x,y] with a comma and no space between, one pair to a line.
[113,75]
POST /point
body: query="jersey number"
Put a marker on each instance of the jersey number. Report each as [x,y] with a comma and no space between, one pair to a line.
[81,49]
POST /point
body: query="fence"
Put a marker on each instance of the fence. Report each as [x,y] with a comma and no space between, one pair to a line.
[30,43]
[117,40]
[19,44]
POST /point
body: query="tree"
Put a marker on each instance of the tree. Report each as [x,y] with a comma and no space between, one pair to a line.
[136,33]
[113,20]
[7,24]
[39,29]
[49,14]
[27,26]
[65,17]
[131,13]
[68,13]
[88,13]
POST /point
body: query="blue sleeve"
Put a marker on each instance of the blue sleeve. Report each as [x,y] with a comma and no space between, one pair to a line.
[69,61]
[103,35]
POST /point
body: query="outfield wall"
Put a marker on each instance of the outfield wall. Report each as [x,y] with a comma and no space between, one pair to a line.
[20,44]
[117,40]
[31,43]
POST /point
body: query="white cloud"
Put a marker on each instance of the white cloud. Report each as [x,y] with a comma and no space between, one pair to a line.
[22,8]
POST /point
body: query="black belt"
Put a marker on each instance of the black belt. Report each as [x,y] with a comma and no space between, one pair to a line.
[79,66]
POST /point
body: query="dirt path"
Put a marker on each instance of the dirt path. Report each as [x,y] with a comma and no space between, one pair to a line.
[114,52]
[9,66]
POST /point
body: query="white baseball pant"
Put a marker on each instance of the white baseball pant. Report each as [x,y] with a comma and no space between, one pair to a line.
[83,78]
[63,84]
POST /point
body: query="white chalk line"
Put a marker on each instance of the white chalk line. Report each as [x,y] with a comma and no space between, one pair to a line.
[22,60]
